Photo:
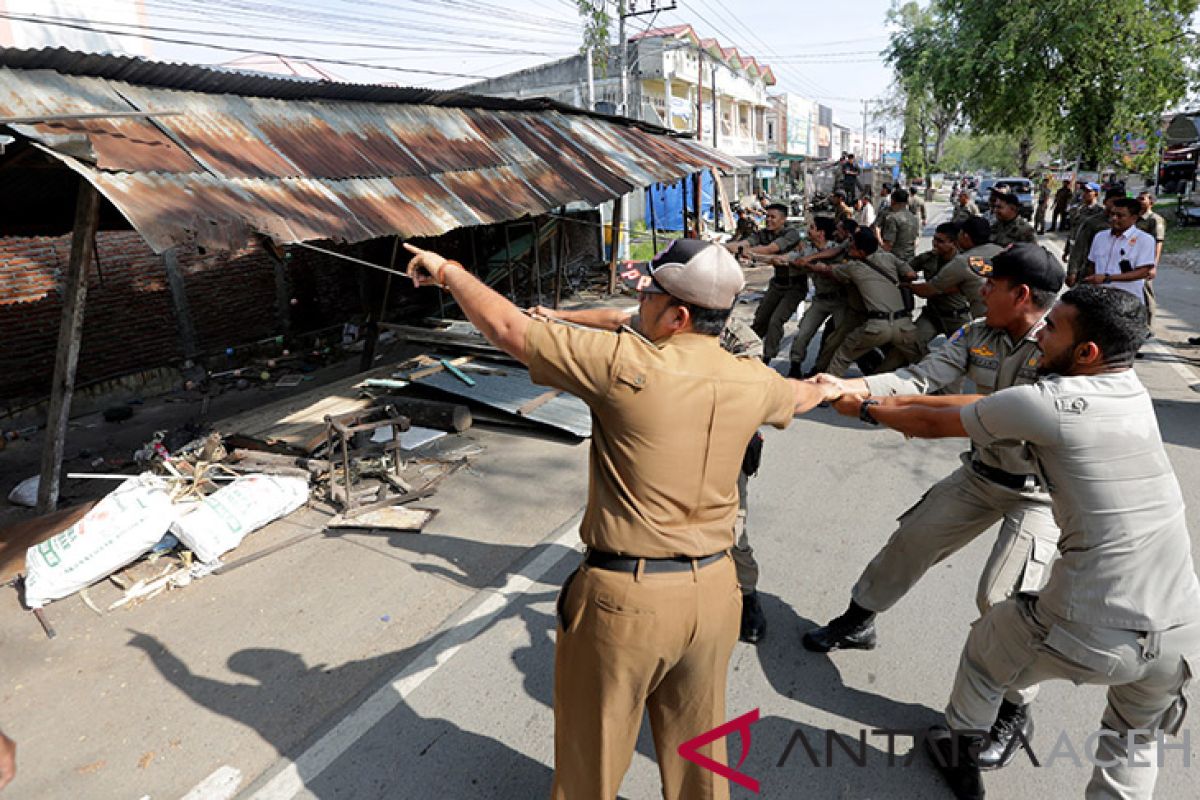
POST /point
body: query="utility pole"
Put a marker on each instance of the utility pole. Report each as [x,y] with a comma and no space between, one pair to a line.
[700,95]
[866,150]
[622,47]
[713,83]
[591,82]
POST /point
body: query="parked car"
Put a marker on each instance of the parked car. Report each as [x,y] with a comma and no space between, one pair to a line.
[1021,187]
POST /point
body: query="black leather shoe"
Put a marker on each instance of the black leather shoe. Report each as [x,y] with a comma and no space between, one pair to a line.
[754,621]
[1012,730]
[841,635]
[952,756]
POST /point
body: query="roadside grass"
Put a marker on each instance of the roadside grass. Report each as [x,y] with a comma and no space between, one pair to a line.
[641,247]
[1180,240]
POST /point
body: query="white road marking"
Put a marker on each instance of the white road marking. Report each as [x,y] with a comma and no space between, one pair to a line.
[221,785]
[291,780]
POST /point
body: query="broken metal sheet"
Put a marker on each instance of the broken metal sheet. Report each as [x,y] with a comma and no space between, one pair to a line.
[224,166]
[509,389]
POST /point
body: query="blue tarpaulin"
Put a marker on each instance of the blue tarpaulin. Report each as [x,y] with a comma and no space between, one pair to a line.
[667,201]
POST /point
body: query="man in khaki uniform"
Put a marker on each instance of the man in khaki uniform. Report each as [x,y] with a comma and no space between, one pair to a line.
[1087,219]
[876,275]
[1122,606]
[1156,226]
[787,287]
[1062,202]
[1010,227]
[648,620]
[738,339]
[996,483]
[916,205]
[963,275]
[943,313]
[853,314]
[898,233]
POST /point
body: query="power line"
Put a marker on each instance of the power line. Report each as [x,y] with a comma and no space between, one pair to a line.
[244,50]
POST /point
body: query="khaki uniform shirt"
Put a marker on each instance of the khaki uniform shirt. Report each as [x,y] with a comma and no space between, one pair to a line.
[958,273]
[825,286]
[916,207]
[992,361]
[944,306]
[737,338]
[878,292]
[670,422]
[1015,230]
[787,239]
[901,230]
[963,213]
[1126,554]
[1154,225]
[1090,224]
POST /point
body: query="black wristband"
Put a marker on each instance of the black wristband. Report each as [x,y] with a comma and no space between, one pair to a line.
[864,411]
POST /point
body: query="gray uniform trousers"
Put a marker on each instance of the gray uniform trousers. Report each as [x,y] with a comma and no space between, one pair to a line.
[957,509]
[899,333]
[774,310]
[743,553]
[819,310]
[1017,644]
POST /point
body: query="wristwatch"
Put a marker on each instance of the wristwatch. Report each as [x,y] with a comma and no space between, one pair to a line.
[864,411]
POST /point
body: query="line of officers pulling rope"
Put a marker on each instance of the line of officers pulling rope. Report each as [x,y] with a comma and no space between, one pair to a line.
[1090,578]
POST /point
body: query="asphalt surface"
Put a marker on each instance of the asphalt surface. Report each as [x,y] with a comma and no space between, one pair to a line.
[371,666]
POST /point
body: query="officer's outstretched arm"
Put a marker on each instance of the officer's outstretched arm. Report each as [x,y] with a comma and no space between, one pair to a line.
[810,394]
[921,421]
[501,322]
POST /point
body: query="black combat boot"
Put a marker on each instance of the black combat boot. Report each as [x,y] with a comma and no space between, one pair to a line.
[1012,730]
[796,370]
[853,630]
[754,621]
[953,755]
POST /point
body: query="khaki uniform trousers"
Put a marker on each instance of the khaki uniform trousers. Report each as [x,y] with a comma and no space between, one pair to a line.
[1017,644]
[819,310]
[899,333]
[774,310]
[950,515]
[852,320]
[1148,297]
[742,552]
[628,642]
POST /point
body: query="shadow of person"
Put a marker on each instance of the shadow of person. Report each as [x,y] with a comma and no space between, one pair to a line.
[813,678]
[402,754]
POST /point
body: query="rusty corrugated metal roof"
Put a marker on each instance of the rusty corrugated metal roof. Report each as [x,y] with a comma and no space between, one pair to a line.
[326,168]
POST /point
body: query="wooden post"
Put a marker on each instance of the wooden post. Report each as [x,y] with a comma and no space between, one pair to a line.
[537,261]
[683,207]
[183,314]
[556,258]
[70,334]
[653,219]
[698,198]
[618,203]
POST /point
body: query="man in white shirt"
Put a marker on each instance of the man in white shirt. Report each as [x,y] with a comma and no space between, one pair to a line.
[1122,256]
[864,213]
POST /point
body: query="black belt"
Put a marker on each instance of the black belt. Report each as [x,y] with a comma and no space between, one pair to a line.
[887,314]
[1008,480]
[827,295]
[790,283]
[616,563]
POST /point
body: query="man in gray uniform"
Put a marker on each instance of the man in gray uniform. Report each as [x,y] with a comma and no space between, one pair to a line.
[944,313]
[1010,227]
[996,483]
[1122,606]
[1153,224]
[829,298]
[899,231]
[963,276]
[964,209]
[1086,220]
[739,339]
[876,275]
[788,286]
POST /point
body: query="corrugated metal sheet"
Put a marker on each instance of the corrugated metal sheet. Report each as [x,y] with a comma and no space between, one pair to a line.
[508,388]
[321,167]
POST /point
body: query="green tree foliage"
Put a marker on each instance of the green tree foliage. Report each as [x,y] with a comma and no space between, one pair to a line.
[1082,71]
[596,28]
[930,108]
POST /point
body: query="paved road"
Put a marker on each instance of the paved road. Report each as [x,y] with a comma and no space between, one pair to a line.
[480,724]
[327,671]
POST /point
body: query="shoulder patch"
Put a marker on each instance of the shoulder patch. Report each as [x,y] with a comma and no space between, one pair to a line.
[979,265]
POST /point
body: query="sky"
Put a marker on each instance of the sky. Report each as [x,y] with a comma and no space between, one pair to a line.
[816,49]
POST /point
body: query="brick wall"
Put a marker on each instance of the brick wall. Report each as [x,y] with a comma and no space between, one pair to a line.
[130,322]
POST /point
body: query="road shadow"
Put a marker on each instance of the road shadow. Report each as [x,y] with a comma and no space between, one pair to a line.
[1177,422]
[404,754]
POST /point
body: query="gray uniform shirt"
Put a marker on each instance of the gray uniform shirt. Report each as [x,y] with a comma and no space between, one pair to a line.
[900,229]
[992,360]
[1126,555]
[945,306]
[879,293]
[963,213]
[786,239]
[960,274]
[1013,231]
